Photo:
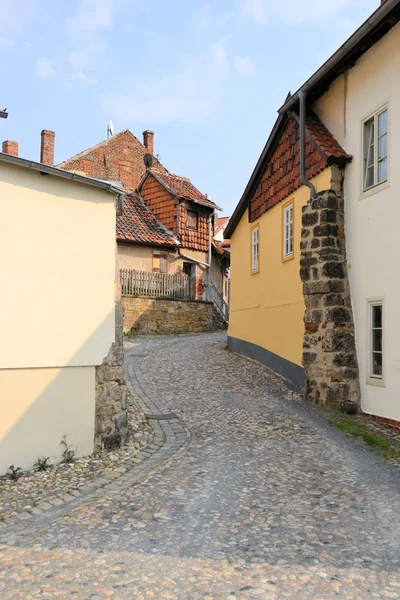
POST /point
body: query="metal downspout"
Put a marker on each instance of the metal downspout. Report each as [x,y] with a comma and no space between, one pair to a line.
[303,178]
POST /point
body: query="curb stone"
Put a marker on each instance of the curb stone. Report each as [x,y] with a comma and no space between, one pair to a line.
[169,436]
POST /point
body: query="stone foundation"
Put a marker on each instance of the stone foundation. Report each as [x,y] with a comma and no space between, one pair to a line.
[146,315]
[329,351]
[111,421]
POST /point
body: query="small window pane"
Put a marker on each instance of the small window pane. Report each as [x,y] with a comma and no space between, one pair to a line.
[382,146]
[377,340]
[382,123]
[377,364]
[369,179]
[377,316]
[382,170]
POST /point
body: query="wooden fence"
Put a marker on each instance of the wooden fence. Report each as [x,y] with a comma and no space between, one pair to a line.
[157,285]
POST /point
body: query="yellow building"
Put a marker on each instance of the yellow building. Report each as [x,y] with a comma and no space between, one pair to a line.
[266,302]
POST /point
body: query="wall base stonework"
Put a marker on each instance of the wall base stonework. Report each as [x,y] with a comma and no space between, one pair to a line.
[111,420]
[329,350]
[149,315]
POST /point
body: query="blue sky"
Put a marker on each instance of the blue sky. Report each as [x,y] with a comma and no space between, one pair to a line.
[206,76]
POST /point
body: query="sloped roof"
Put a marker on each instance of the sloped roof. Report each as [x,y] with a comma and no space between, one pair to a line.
[181,187]
[221,222]
[138,225]
[277,173]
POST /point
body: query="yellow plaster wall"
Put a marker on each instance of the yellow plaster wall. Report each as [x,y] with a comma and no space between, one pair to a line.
[267,308]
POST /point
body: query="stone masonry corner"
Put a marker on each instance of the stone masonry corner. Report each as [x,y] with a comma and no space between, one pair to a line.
[329,350]
[111,420]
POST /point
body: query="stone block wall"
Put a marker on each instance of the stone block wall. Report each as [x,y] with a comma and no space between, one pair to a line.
[111,418]
[329,350]
[148,315]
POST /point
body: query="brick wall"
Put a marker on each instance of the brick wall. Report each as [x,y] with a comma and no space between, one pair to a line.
[145,315]
[120,158]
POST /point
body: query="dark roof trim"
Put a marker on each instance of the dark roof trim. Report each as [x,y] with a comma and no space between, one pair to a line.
[254,179]
[48,170]
[153,244]
[370,32]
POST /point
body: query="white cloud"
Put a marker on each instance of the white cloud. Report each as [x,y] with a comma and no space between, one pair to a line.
[45,67]
[188,95]
[244,65]
[291,12]
[86,30]
[81,80]
[13,17]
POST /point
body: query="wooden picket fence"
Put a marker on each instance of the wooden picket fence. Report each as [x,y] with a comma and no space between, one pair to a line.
[157,285]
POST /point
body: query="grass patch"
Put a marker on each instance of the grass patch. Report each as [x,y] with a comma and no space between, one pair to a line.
[360,427]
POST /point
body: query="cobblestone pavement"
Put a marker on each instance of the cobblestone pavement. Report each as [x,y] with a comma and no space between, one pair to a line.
[253,495]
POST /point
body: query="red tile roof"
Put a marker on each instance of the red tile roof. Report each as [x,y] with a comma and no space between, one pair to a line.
[182,187]
[277,172]
[138,225]
[281,173]
[324,139]
[221,221]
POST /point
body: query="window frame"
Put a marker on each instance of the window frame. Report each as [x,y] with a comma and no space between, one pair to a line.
[254,270]
[162,258]
[372,379]
[285,208]
[377,186]
[194,214]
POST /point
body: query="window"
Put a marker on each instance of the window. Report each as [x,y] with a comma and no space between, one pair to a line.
[191,219]
[160,263]
[255,249]
[288,231]
[375,345]
[189,269]
[375,140]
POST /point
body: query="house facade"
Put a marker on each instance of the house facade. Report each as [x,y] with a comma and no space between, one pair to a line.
[266,303]
[177,206]
[344,236]
[58,317]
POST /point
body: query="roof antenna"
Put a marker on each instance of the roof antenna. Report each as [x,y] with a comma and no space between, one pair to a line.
[110,129]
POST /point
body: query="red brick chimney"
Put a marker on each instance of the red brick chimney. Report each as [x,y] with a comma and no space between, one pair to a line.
[148,141]
[47,147]
[10,147]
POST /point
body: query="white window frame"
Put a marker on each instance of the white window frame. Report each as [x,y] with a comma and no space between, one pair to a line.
[371,378]
[255,249]
[376,185]
[288,211]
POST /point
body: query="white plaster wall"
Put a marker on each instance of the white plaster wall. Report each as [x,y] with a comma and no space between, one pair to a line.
[39,406]
[372,222]
[57,245]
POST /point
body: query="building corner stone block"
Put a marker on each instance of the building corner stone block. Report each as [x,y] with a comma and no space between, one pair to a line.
[111,418]
[329,349]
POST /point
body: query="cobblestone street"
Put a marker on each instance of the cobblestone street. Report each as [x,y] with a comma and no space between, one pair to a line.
[252,495]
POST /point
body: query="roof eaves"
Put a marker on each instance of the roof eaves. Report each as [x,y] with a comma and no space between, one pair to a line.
[61,173]
[355,46]
[253,181]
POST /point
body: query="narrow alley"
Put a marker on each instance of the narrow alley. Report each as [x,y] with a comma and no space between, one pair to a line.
[253,495]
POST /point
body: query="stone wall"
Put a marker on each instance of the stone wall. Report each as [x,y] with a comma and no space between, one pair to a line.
[111,420]
[329,351]
[147,315]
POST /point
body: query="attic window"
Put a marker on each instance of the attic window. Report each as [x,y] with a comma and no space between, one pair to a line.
[191,219]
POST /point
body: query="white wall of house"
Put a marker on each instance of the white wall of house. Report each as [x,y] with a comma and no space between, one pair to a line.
[56,311]
[372,217]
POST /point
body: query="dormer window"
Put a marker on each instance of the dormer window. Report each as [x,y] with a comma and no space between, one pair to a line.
[191,219]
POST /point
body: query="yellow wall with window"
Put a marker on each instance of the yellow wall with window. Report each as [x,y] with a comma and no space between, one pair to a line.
[267,307]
